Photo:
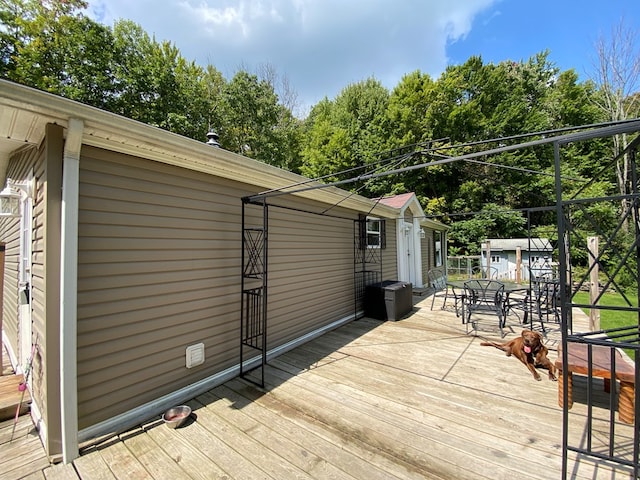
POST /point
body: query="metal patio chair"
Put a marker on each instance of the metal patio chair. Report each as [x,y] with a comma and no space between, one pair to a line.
[484,273]
[438,281]
[546,295]
[484,296]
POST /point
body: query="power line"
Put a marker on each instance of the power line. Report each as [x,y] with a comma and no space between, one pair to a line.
[581,133]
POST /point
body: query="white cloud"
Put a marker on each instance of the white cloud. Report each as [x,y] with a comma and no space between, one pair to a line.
[320,45]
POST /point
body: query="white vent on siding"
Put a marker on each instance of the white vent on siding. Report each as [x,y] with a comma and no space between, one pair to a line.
[195,355]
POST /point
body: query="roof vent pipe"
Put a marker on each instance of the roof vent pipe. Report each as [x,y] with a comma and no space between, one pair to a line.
[212,137]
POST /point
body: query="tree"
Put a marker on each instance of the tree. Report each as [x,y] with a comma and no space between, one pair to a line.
[251,113]
[408,106]
[347,133]
[158,86]
[288,131]
[287,94]
[51,46]
[12,13]
[146,73]
[492,222]
[617,73]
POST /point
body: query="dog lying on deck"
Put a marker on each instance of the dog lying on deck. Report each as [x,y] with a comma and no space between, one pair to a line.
[528,348]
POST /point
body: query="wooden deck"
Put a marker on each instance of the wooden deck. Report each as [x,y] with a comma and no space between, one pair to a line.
[413,399]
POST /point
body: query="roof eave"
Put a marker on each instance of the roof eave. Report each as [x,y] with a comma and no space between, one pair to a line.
[120,134]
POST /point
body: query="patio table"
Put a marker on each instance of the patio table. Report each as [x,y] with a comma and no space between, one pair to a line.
[509,287]
[485,296]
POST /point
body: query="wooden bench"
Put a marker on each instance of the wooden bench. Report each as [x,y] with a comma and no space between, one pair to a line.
[601,368]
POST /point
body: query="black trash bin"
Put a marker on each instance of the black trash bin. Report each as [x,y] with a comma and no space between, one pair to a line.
[388,300]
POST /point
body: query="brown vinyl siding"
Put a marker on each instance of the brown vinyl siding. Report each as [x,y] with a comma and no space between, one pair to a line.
[46,280]
[10,228]
[159,269]
[18,169]
[45,163]
[389,254]
[310,272]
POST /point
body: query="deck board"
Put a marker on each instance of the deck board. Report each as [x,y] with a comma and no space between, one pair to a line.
[19,460]
[61,472]
[11,398]
[202,435]
[410,422]
[92,465]
[236,438]
[318,453]
[359,424]
[195,464]
[151,455]
[121,461]
[412,419]
[418,398]
[351,457]
[287,447]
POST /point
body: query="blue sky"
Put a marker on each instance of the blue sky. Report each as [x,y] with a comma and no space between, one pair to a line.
[518,29]
[321,46]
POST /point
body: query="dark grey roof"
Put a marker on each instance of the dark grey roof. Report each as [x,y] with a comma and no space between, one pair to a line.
[525,244]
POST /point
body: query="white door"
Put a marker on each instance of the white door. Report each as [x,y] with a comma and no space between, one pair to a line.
[406,254]
[411,249]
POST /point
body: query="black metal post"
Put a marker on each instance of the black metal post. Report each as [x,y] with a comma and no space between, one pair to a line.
[562,262]
[636,222]
[242,289]
[265,277]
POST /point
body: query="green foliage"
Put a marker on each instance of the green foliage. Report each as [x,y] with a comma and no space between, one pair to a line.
[347,133]
[250,109]
[408,106]
[53,47]
[492,222]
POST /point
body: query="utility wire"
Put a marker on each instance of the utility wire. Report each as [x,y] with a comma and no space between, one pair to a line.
[581,133]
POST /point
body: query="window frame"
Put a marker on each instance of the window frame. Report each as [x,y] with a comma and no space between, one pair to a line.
[373,233]
[438,238]
[367,233]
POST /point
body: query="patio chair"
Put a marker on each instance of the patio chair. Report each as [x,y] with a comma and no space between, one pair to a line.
[547,301]
[438,281]
[484,273]
[520,303]
[539,303]
[484,296]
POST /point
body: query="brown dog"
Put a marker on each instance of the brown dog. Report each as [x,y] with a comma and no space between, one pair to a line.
[528,348]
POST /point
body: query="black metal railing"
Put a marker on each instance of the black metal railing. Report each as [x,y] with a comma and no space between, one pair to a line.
[253,311]
[600,355]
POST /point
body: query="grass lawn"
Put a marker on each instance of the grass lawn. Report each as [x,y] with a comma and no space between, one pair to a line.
[612,318]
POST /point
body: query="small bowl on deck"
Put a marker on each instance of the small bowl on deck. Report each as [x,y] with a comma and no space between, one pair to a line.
[176,416]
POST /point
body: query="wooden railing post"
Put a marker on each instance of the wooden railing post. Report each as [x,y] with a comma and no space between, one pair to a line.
[594,290]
